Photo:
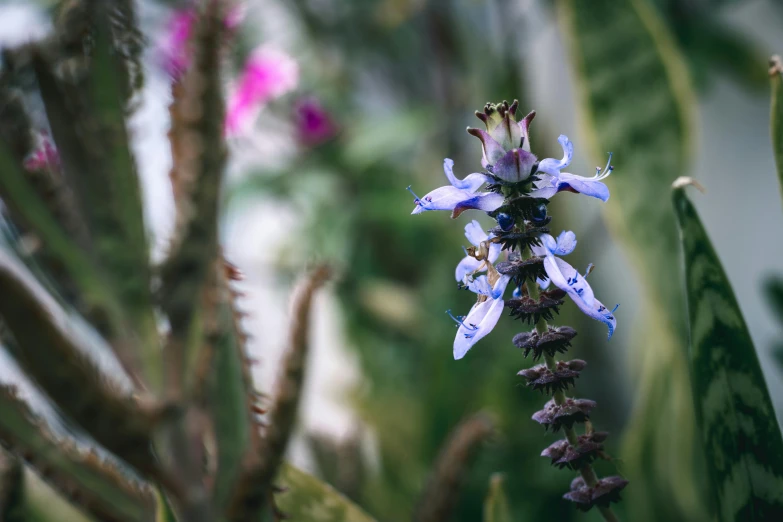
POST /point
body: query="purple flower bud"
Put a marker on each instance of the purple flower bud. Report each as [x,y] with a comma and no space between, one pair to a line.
[314,124]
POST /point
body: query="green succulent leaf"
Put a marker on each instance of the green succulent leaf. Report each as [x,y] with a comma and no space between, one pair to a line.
[739,431]
[230,390]
[97,486]
[86,112]
[41,337]
[776,123]
[307,498]
[496,504]
[636,101]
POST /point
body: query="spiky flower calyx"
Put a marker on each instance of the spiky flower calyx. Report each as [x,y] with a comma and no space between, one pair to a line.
[555,416]
[603,493]
[566,455]
[555,340]
[560,378]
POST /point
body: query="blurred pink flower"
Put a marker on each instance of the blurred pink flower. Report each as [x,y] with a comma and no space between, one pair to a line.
[175,52]
[268,74]
[45,156]
[314,124]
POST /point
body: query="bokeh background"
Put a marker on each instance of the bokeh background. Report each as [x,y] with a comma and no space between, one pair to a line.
[400,79]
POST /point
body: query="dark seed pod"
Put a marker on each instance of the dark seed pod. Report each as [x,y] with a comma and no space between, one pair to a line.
[553,341]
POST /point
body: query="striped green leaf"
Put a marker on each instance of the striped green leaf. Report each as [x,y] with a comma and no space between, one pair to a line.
[636,101]
[776,119]
[739,431]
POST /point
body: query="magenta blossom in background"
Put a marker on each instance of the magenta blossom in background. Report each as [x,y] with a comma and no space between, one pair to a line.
[45,156]
[175,52]
[314,124]
[268,74]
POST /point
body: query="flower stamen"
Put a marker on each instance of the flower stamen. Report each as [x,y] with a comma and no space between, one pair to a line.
[460,320]
[599,174]
[417,200]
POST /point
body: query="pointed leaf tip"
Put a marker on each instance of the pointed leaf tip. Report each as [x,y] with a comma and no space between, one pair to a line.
[684,181]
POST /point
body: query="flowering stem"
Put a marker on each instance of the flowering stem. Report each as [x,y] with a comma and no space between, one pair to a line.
[587,472]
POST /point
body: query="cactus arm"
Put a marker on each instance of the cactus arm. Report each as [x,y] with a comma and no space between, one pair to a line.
[48,349]
[91,482]
[186,272]
[88,127]
[189,270]
[230,395]
[250,495]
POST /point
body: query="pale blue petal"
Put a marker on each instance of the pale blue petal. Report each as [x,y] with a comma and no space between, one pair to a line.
[494,252]
[500,287]
[568,279]
[486,201]
[582,185]
[600,313]
[442,198]
[480,285]
[468,265]
[565,277]
[471,183]
[552,165]
[481,319]
[548,185]
[566,243]
[543,249]
[543,283]
[475,233]
[549,242]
